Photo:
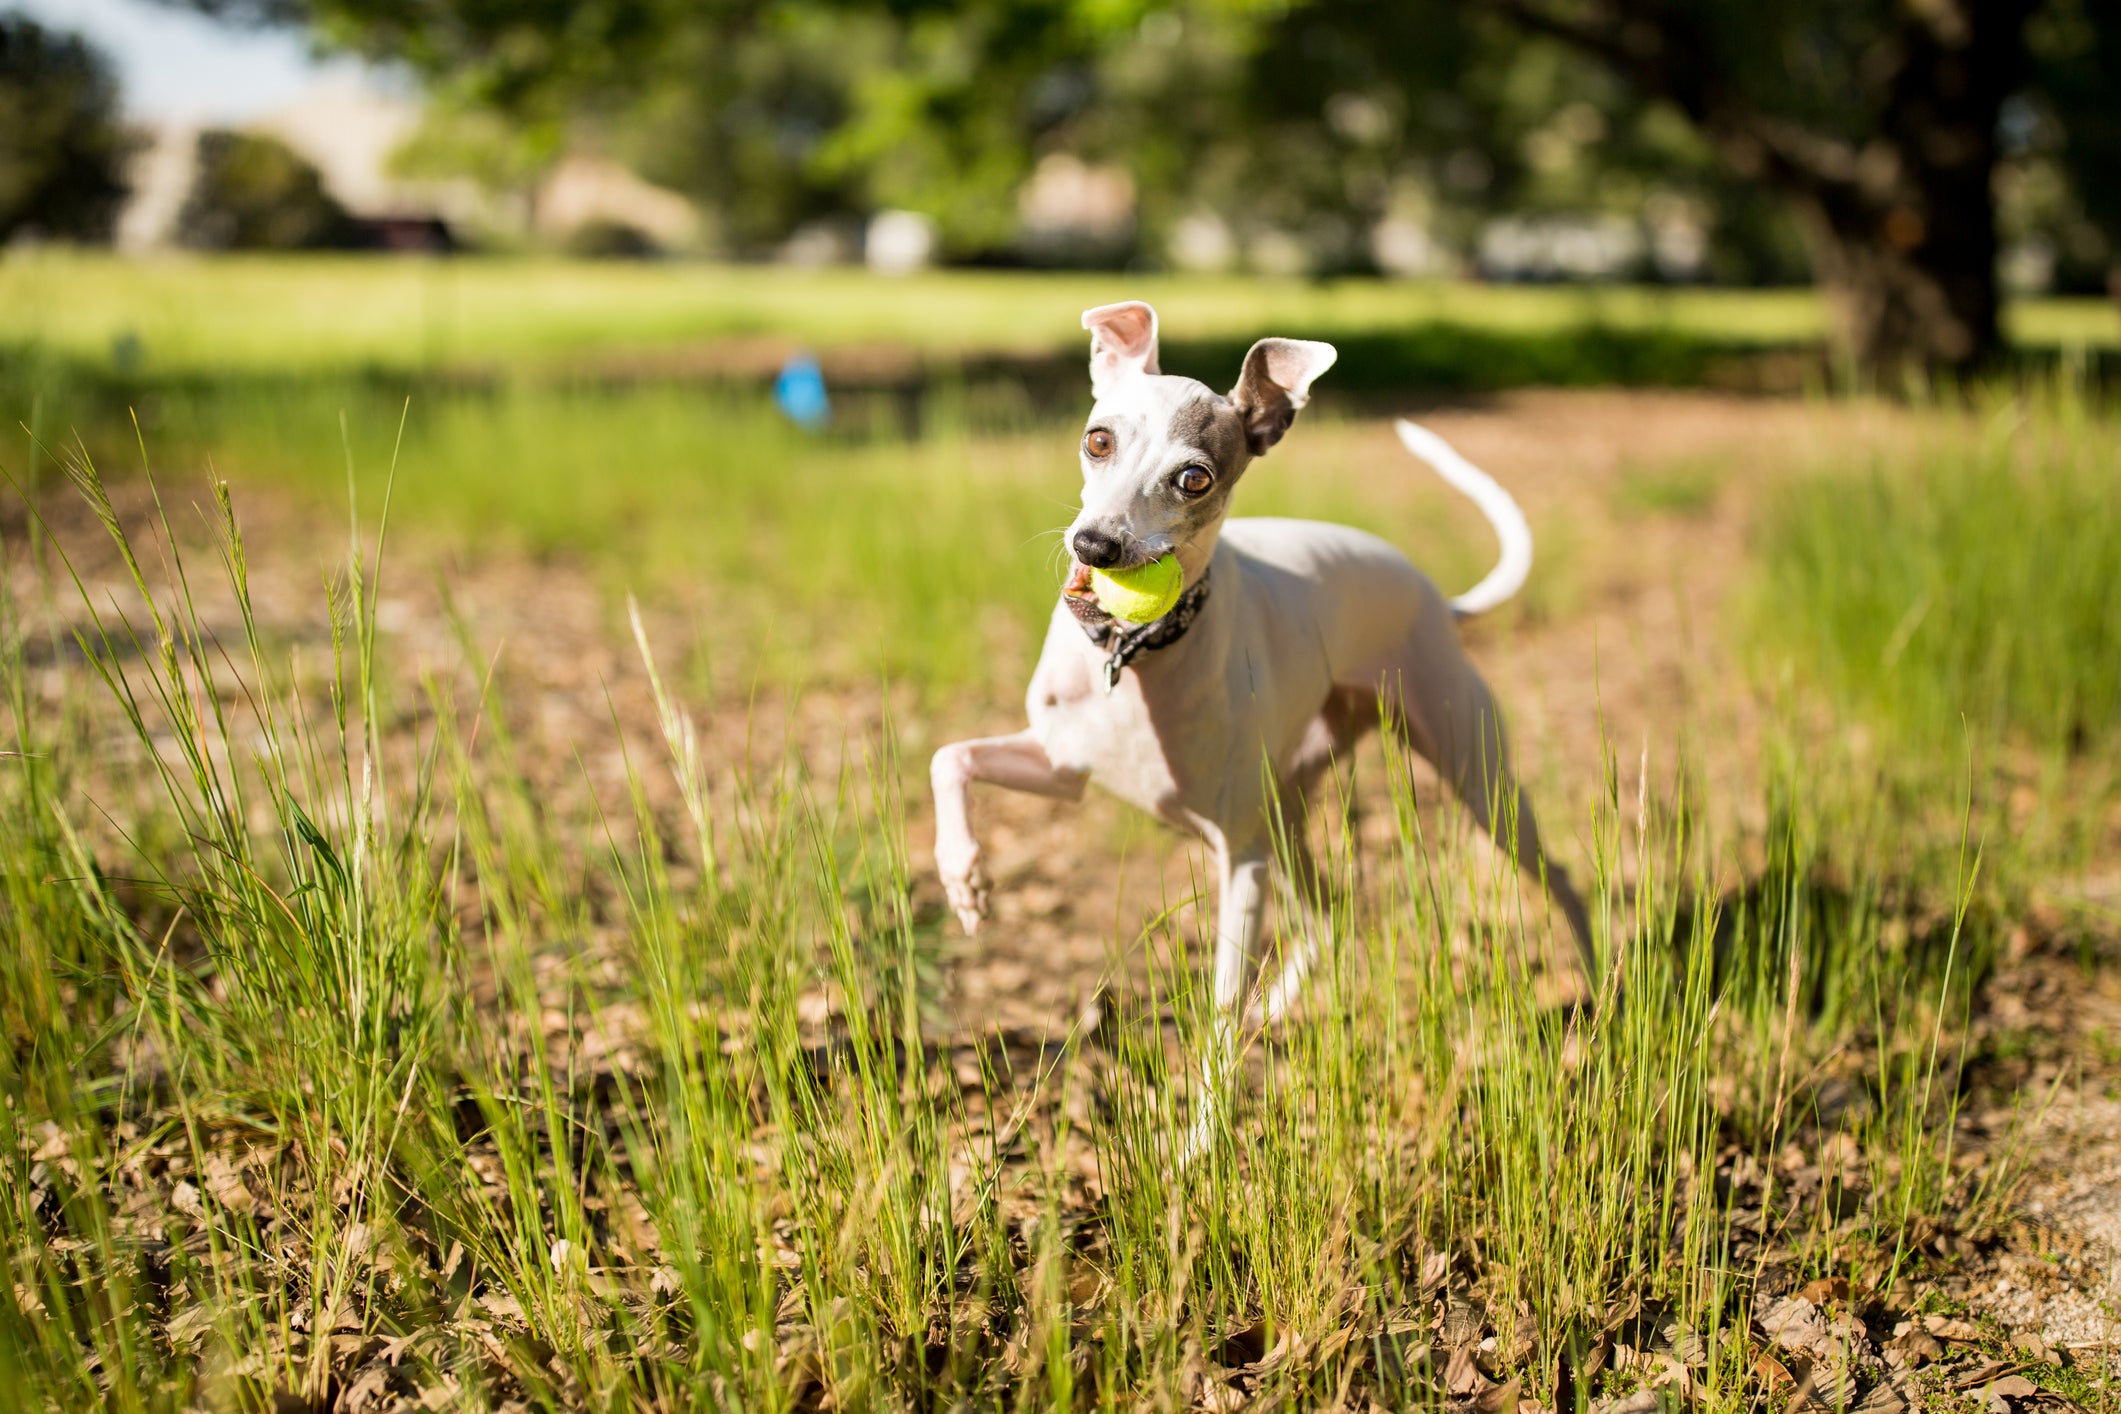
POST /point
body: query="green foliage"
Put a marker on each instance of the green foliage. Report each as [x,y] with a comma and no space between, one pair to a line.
[251,192]
[2078,44]
[1303,123]
[63,148]
[1300,128]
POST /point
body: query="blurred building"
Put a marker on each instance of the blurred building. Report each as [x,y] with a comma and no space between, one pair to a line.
[350,132]
[1076,213]
[585,194]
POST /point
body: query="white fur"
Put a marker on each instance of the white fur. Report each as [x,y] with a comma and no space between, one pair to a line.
[1311,634]
[1515,566]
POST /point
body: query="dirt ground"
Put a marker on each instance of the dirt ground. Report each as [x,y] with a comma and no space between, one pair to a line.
[1627,655]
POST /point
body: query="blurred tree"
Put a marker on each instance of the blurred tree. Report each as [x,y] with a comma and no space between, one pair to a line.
[774,112]
[2077,48]
[63,150]
[1876,123]
[251,192]
[1877,119]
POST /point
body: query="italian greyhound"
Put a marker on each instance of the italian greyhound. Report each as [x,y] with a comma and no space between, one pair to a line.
[1290,639]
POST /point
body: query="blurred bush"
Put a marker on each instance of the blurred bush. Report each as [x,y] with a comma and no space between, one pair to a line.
[63,150]
[257,193]
[611,240]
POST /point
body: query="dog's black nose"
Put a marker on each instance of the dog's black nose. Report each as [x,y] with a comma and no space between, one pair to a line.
[1096,549]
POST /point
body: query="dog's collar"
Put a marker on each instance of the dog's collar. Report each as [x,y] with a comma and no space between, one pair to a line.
[1124,645]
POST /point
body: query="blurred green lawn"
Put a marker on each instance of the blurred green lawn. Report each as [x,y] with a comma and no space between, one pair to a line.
[283,315]
[919,537]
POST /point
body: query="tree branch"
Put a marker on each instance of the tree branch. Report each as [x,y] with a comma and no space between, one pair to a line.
[1645,43]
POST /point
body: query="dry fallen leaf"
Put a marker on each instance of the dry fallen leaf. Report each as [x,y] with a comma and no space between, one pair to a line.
[1833,1383]
[226,1185]
[1462,1374]
[1462,1324]
[1911,1348]
[1984,1372]
[1883,1399]
[1498,1399]
[1794,1323]
[368,1388]
[1948,1328]
[2030,1344]
[1826,1289]
[446,1395]
[188,1327]
[1996,1396]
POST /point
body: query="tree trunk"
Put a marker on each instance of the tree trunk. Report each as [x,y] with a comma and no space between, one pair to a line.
[1906,242]
[1904,296]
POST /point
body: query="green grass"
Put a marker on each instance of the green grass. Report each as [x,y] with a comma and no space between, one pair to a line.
[932,559]
[1688,489]
[340,1059]
[345,1054]
[179,316]
[1946,608]
[1969,578]
[324,314]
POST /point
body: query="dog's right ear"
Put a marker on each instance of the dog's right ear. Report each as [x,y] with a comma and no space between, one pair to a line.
[1122,343]
[1275,382]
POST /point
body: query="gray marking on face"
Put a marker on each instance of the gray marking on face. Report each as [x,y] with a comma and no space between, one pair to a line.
[1210,424]
[1160,425]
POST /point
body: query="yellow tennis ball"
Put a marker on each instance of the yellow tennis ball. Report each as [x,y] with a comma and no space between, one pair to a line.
[1141,595]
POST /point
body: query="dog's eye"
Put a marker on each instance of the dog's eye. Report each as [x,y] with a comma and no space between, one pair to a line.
[1195,480]
[1098,443]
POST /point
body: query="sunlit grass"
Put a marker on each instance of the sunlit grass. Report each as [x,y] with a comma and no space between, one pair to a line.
[263,315]
[1966,580]
[383,1054]
[332,313]
[339,1055]
[931,558]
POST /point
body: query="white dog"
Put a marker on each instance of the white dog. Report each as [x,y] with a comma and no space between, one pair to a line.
[1291,639]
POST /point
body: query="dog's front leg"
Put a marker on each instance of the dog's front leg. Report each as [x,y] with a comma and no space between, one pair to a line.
[1238,914]
[1018,762]
[1239,911]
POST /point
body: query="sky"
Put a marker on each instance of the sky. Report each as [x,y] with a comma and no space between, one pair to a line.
[175,65]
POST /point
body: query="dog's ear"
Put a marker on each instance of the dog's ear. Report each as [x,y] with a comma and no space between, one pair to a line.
[1122,343]
[1275,382]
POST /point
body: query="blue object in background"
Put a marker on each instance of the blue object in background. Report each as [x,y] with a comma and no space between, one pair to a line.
[800,392]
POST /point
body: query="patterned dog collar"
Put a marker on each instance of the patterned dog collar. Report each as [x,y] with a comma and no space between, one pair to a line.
[1125,644]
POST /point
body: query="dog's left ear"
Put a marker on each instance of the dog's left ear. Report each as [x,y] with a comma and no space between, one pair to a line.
[1122,343]
[1276,381]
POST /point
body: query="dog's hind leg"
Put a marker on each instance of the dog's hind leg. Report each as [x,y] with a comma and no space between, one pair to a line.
[1309,901]
[1460,731]
[1309,897]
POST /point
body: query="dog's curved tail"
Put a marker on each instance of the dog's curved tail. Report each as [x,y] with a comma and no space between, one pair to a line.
[1496,504]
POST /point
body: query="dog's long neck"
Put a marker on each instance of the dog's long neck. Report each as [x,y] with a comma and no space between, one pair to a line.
[1198,553]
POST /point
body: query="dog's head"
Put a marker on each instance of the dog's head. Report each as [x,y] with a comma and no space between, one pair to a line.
[1160,454]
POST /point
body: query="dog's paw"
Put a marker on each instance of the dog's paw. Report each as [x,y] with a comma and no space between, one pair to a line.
[962,863]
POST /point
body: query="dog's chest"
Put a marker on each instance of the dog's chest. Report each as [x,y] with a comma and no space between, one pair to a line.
[1114,739]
